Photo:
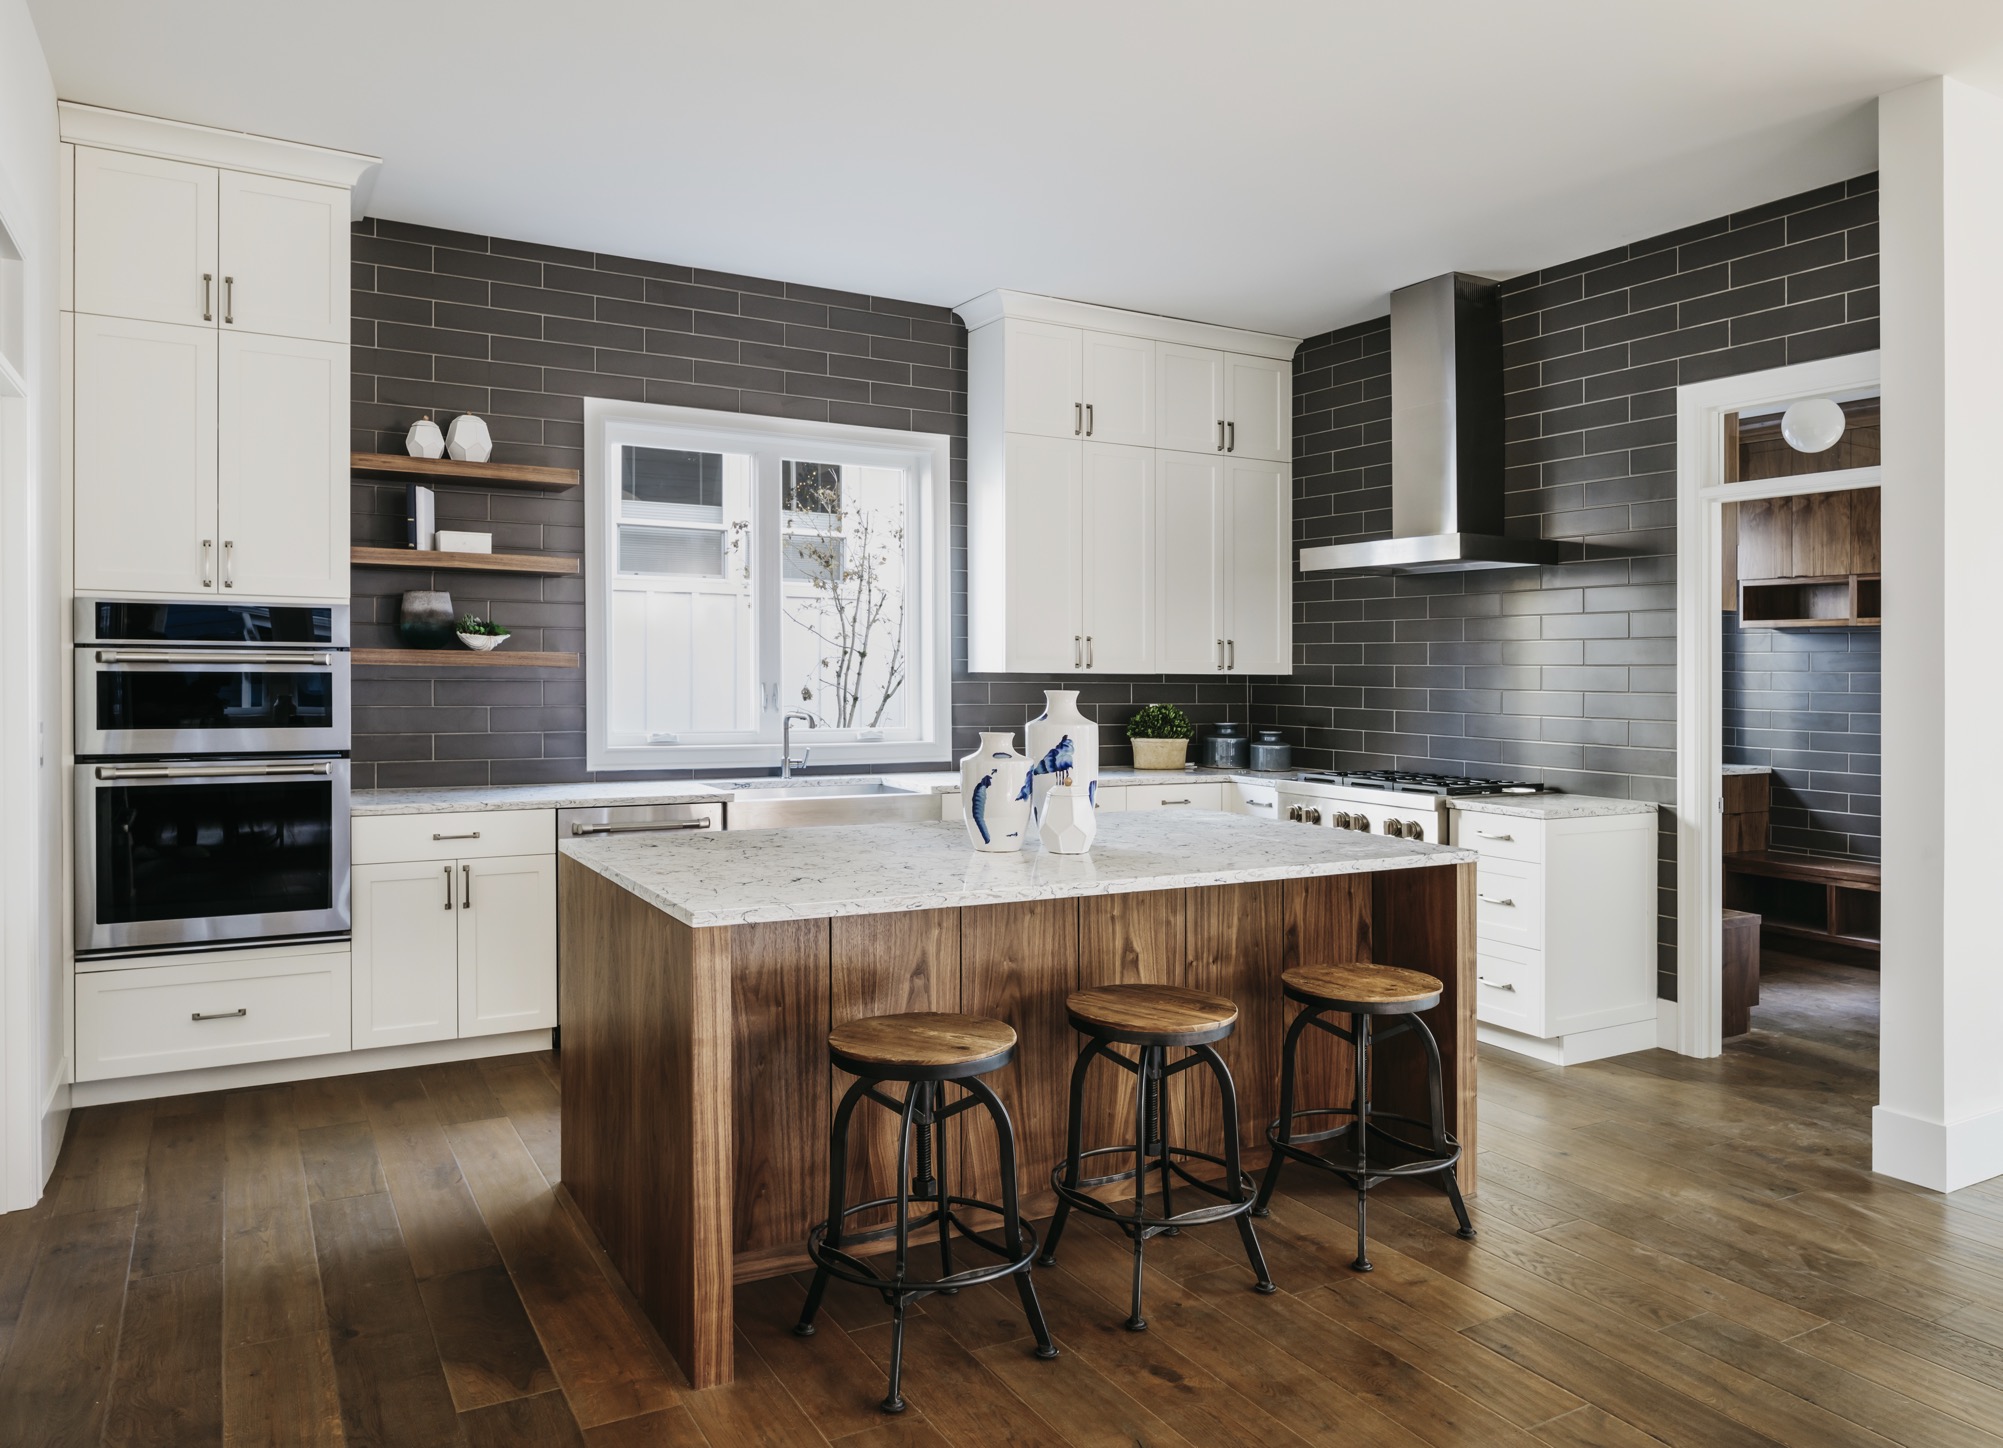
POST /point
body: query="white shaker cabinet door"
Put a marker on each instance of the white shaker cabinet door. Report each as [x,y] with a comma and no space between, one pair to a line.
[1041,582]
[145,457]
[1258,567]
[1119,389]
[282,472]
[1188,526]
[1259,407]
[1044,383]
[146,238]
[507,944]
[283,257]
[1189,388]
[1118,532]
[406,961]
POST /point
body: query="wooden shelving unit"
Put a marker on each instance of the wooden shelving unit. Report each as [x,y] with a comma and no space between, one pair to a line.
[446,470]
[501,658]
[558,564]
[1844,600]
[1807,898]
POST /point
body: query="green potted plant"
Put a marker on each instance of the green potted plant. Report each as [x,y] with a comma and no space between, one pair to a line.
[482,634]
[1160,734]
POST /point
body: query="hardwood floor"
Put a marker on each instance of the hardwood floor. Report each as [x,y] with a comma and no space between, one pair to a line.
[1676,1251]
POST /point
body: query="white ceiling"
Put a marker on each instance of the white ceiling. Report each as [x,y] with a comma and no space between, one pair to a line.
[1278,164]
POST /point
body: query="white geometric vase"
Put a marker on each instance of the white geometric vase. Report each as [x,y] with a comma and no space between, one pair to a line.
[424,440]
[468,439]
[1061,731]
[1069,822]
[994,793]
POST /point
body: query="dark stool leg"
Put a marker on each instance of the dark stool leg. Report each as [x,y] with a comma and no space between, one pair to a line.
[894,1293]
[1073,1144]
[837,1191]
[1143,1102]
[1362,1024]
[935,1185]
[1233,1169]
[1435,1076]
[1012,1213]
[1262,1205]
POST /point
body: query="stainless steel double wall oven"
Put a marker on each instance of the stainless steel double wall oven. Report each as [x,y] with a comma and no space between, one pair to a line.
[212,774]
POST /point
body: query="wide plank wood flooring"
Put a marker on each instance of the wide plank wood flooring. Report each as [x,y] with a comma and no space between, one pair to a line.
[1671,1251]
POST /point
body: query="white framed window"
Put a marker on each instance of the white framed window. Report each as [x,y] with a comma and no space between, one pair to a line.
[742,568]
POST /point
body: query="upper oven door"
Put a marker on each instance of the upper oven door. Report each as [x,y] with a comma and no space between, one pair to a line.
[206,852]
[141,700]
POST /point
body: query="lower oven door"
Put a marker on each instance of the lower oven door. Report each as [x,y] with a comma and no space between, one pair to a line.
[214,701]
[181,853]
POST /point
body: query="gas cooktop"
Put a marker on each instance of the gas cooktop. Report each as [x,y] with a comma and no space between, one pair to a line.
[1412,782]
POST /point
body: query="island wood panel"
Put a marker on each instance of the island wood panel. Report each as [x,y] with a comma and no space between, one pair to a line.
[1017,964]
[880,965]
[1236,941]
[646,1108]
[1424,920]
[779,1047]
[1327,923]
[1125,939]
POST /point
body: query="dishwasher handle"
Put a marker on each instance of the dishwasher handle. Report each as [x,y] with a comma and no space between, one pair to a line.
[642,828]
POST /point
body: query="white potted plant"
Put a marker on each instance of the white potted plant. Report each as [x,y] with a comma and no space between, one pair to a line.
[1160,734]
[481,634]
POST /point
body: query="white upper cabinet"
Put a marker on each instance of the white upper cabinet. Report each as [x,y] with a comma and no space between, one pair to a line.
[1119,389]
[1039,588]
[1258,598]
[1189,526]
[1046,370]
[283,257]
[1118,558]
[1258,408]
[1190,417]
[282,477]
[145,238]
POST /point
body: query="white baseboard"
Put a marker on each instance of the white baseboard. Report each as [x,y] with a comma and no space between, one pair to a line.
[1575,1049]
[1941,1156]
[306,1068]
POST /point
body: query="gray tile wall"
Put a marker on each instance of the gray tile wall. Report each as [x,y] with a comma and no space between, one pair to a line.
[1566,673]
[521,334]
[1805,703]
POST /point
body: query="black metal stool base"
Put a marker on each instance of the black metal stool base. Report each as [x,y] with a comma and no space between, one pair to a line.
[828,1242]
[1350,1156]
[1152,1153]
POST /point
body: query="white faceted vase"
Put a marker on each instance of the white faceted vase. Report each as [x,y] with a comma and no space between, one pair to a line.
[1069,820]
[468,440]
[1061,731]
[994,795]
[424,440]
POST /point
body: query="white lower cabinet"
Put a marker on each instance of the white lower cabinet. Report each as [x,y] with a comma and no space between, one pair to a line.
[507,945]
[406,953]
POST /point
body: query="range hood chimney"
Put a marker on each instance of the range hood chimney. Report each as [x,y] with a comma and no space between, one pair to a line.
[1446,440]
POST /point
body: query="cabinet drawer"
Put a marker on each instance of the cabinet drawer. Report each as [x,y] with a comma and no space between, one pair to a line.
[1509,903]
[1190,795]
[1260,801]
[468,835]
[1509,987]
[1110,798]
[1502,836]
[257,1007]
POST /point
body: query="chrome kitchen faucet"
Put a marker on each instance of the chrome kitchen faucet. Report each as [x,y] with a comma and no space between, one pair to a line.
[786,759]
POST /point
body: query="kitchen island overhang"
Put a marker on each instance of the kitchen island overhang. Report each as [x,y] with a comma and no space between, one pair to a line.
[702,973]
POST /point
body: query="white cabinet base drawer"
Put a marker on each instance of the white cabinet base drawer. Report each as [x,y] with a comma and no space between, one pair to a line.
[1191,794]
[1509,987]
[467,835]
[1509,903]
[220,1010]
[1505,837]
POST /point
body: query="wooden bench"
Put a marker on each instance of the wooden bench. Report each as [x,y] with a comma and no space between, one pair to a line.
[1805,899]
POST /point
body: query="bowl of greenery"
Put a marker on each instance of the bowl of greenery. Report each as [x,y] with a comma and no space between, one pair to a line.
[481,633]
[1160,734]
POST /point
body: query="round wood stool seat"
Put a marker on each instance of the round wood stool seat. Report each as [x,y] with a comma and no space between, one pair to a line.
[1151,1015]
[921,1046]
[1362,989]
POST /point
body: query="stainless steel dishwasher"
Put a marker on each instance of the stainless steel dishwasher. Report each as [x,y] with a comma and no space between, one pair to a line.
[638,819]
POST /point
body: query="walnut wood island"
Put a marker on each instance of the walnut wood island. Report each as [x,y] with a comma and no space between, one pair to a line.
[701,974]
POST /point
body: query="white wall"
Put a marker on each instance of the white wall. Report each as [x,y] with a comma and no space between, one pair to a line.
[34,1066]
[1940,1118]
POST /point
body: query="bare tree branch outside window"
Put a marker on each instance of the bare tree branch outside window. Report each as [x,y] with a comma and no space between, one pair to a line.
[851,560]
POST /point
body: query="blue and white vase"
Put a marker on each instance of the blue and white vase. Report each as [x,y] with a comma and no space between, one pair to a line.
[994,795]
[1060,730]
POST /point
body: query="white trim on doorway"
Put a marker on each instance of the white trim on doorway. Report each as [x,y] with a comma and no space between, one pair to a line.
[1692,1028]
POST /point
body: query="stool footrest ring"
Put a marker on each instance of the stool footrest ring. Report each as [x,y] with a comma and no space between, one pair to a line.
[1139,1218]
[840,1264]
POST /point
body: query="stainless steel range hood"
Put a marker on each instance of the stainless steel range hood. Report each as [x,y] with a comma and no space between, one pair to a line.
[1446,440]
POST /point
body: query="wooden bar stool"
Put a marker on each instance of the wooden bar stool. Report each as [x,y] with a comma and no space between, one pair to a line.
[1154,1018]
[1363,992]
[926,1050]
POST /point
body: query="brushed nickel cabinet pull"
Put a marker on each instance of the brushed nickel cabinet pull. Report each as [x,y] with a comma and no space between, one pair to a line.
[1260,803]
[1220,653]
[208,563]
[219,1015]
[448,887]
[1077,651]
[1495,984]
[466,900]
[208,287]
[1077,418]
[229,300]
[1231,429]
[1220,434]
[1088,652]
[229,563]
[1496,900]
[1175,801]
[1088,419]
[1487,836]
[469,835]
[1232,646]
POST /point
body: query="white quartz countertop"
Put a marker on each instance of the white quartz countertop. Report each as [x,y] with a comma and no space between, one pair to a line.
[1551,806]
[762,875]
[1747,769]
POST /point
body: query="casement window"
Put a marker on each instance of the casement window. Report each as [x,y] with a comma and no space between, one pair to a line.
[742,568]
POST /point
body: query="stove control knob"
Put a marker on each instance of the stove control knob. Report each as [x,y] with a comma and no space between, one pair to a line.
[1414,830]
[1395,829]
[1313,816]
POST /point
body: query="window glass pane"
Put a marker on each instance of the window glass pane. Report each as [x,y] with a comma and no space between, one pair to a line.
[676,552]
[672,485]
[845,648]
[809,556]
[812,488]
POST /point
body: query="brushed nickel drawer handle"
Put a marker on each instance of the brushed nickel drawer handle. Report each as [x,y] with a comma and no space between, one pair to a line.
[1260,803]
[219,1015]
[1232,445]
[469,835]
[1220,435]
[1496,984]
[466,902]
[1487,836]
[643,828]
[229,300]
[208,283]
[1077,419]
[448,887]
[1496,900]
[1174,801]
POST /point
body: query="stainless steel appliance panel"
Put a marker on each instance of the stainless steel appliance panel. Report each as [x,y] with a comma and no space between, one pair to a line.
[638,819]
[157,700]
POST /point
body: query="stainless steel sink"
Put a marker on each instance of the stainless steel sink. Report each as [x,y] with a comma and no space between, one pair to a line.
[798,789]
[788,805]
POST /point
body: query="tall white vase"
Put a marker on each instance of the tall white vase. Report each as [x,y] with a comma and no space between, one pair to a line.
[994,794]
[1061,738]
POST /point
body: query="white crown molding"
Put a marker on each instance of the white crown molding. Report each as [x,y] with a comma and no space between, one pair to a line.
[995,305]
[206,146]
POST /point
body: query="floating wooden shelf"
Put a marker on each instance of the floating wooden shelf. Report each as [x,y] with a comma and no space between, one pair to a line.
[448,470]
[553,563]
[1844,600]
[501,658]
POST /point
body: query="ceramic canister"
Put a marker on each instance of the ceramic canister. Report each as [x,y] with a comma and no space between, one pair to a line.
[1069,822]
[994,795]
[1225,747]
[1061,738]
[1271,751]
